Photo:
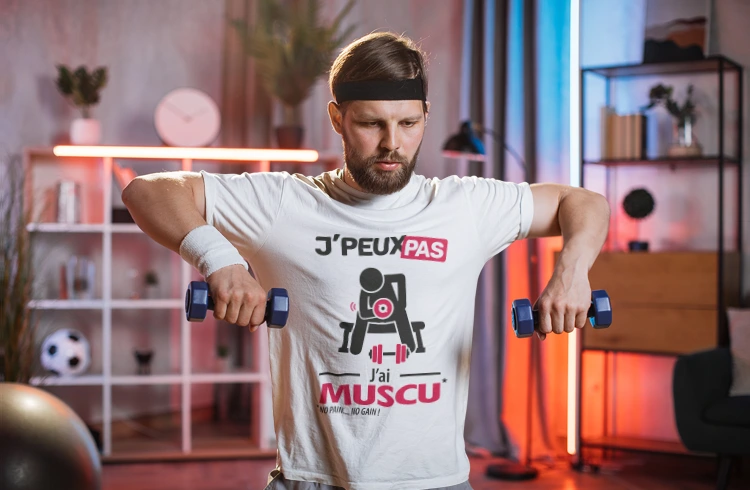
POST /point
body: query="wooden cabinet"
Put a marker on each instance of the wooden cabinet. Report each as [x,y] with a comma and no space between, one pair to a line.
[662,302]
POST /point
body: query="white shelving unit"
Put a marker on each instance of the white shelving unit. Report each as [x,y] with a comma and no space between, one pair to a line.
[66,304]
[103,159]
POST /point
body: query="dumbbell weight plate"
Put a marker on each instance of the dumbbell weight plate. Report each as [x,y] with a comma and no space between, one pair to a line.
[602,314]
[277,308]
[197,301]
[522,318]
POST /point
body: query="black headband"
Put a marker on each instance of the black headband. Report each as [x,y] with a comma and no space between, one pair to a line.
[408,89]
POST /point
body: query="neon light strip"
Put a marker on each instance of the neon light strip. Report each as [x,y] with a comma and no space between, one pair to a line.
[575,158]
[575,93]
[180,153]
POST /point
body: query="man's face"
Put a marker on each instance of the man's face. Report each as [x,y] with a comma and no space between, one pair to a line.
[381,142]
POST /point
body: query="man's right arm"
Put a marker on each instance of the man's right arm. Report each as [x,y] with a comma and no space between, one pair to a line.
[169,205]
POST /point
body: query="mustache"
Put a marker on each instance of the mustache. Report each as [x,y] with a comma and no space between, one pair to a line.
[388,157]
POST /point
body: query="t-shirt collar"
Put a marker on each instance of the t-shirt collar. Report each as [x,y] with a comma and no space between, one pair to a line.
[343,192]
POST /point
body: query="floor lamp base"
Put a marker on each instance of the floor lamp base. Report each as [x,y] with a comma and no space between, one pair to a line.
[512,472]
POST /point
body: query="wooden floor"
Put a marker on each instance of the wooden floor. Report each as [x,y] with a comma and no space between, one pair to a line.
[631,472]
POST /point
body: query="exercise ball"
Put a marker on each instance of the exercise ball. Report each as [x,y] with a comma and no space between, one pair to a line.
[44,445]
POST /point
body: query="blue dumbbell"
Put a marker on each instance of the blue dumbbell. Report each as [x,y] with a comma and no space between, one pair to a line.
[198,301]
[525,318]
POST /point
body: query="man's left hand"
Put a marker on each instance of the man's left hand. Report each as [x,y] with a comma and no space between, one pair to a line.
[564,303]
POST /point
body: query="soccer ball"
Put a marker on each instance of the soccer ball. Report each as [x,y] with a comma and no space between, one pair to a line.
[66,352]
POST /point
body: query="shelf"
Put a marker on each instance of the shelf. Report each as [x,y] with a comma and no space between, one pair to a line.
[135,452]
[83,380]
[237,377]
[707,65]
[125,228]
[635,444]
[147,379]
[65,227]
[39,151]
[147,304]
[145,417]
[66,304]
[221,433]
[82,228]
[665,161]
[154,379]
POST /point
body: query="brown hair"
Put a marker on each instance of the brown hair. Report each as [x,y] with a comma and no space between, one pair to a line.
[379,56]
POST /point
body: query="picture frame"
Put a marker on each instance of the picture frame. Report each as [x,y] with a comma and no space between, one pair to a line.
[678,31]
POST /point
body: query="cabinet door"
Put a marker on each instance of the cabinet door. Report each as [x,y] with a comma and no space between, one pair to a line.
[676,279]
[662,302]
[655,330]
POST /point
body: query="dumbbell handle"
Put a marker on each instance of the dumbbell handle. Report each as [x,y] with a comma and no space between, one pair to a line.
[590,315]
[525,319]
[269,302]
[277,305]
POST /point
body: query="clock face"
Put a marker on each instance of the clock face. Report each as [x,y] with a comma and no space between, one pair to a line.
[187,117]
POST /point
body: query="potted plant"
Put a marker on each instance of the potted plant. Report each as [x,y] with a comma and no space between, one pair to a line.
[222,353]
[152,285]
[82,89]
[683,116]
[292,50]
[17,340]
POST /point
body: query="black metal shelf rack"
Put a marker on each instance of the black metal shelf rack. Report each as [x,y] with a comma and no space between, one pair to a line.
[722,67]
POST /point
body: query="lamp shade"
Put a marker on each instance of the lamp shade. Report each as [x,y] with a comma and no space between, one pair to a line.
[465,141]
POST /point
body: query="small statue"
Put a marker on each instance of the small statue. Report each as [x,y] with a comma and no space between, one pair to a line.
[638,204]
[143,358]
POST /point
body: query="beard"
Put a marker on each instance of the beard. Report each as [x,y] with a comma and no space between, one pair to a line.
[373,180]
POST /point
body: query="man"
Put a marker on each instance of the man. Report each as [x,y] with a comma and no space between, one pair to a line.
[371,374]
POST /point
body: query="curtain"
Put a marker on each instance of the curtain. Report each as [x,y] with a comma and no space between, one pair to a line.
[509,40]
[245,107]
[485,35]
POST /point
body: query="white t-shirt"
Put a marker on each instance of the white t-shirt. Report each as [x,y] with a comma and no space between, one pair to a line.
[370,375]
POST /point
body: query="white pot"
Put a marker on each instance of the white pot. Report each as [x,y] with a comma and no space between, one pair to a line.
[85,132]
[224,365]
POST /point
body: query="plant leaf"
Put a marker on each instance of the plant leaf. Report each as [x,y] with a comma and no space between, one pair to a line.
[16,278]
[673,108]
[99,78]
[290,47]
[340,17]
[64,80]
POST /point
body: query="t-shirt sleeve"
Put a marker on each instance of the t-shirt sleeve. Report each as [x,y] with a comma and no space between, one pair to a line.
[244,207]
[502,211]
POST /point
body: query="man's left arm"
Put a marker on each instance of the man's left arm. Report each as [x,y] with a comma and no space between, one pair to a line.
[582,218]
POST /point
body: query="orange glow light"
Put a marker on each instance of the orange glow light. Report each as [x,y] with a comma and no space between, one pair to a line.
[572,383]
[181,153]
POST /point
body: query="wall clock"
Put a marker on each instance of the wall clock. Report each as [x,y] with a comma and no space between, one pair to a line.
[187,117]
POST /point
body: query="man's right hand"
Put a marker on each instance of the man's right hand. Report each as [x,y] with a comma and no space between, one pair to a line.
[237,296]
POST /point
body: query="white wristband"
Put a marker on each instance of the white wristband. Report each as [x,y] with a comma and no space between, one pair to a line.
[206,249]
